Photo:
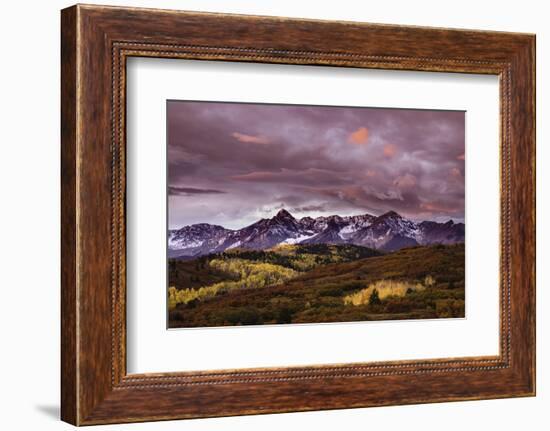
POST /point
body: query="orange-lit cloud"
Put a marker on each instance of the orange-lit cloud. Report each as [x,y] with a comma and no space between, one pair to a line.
[460,157]
[371,173]
[390,150]
[351,193]
[250,139]
[359,137]
[436,207]
[406,181]
[455,172]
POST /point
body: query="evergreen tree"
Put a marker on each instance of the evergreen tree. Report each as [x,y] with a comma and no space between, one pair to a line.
[374,298]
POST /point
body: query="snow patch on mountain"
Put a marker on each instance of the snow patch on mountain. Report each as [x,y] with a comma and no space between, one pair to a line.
[182,243]
[234,245]
[298,239]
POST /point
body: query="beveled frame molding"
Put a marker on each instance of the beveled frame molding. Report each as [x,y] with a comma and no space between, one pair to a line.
[96,41]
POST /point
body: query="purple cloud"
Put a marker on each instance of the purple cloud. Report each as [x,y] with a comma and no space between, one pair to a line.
[231,163]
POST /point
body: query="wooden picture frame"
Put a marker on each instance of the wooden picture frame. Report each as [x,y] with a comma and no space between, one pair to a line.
[95,43]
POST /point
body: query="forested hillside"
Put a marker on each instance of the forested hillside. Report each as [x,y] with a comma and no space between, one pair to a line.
[316,283]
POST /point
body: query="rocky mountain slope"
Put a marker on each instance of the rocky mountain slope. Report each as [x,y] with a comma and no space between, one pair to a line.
[387,232]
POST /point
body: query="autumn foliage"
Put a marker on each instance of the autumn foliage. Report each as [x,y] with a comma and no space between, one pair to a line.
[316,283]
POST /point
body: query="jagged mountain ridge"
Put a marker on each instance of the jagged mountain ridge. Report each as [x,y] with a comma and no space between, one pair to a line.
[387,232]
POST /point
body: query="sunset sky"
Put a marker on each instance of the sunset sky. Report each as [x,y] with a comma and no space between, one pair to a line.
[231,164]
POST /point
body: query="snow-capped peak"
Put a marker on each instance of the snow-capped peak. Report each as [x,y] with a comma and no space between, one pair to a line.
[388,231]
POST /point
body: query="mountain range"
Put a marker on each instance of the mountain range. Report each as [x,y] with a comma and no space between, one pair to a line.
[387,232]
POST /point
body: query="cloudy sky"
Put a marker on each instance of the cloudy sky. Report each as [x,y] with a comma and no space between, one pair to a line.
[232,164]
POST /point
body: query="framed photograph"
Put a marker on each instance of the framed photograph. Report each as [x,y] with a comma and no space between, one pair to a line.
[322,214]
[270,227]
